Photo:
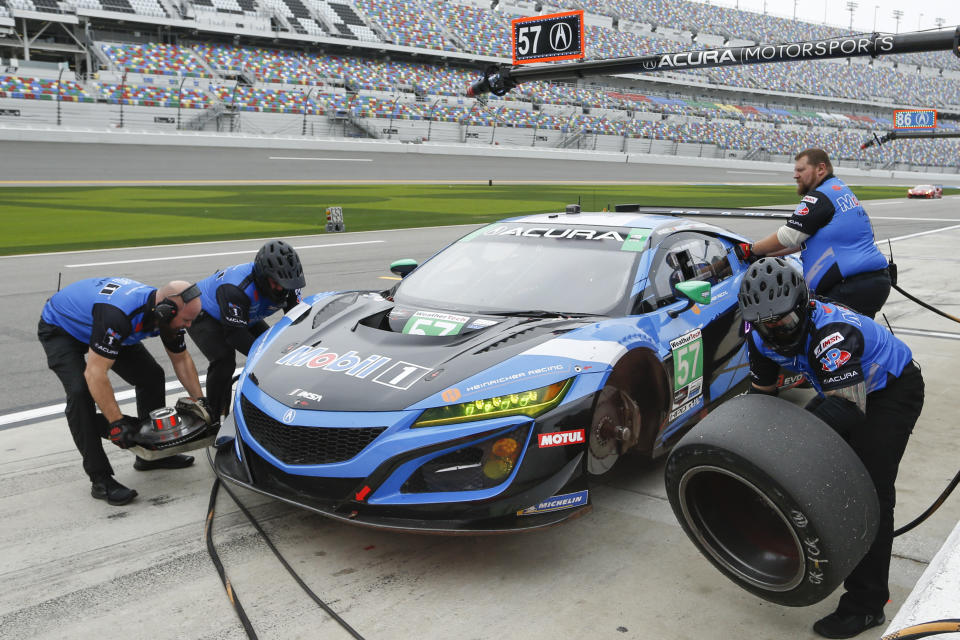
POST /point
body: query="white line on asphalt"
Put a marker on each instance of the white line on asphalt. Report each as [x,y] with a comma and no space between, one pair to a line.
[54,409]
[924,332]
[223,253]
[756,173]
[922,233]
[912,219]
[325,159]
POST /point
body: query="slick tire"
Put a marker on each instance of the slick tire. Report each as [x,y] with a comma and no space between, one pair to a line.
[774,498]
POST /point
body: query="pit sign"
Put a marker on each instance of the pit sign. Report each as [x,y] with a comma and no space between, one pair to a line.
[915,119]
[557,36]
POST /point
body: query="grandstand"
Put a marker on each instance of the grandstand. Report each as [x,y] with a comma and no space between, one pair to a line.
[398,69]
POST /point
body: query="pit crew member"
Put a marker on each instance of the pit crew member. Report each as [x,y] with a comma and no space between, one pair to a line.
[96,325]
[832,231]
[235,302]
[869,390]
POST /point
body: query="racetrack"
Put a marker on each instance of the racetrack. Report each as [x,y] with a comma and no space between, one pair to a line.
[73,567]
[134,164]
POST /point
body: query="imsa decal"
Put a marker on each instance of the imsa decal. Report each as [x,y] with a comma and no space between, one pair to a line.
[557,503]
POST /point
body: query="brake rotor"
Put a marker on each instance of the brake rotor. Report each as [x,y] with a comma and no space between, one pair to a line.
[167,428]
[608,429]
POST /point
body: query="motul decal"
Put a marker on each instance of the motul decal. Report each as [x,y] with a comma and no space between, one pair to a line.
[561,438]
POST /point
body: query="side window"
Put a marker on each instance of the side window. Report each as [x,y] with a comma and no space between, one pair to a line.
[684,256]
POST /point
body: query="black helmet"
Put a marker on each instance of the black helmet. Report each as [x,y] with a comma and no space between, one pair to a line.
[279,261]
[774,300]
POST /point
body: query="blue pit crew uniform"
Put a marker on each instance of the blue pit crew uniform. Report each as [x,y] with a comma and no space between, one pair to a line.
[232,318]
[111,316]
[841,261]
[843,349]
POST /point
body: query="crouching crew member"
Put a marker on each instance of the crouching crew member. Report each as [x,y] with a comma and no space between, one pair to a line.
[235,302]
[831,229]
[869,390]
[97,325]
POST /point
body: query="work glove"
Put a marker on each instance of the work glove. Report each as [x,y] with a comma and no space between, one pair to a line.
[744,251]
[122,431]
[199,408]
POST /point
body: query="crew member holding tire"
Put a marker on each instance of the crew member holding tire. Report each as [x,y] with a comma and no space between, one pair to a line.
[96,325]
[869,390]
[832,231]
[235,302]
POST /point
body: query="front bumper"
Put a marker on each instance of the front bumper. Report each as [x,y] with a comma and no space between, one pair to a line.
[373,498]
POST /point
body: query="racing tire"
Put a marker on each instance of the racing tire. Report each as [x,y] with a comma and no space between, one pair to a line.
[774,498]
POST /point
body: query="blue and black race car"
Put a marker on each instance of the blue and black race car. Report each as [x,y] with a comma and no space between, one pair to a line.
[483,391]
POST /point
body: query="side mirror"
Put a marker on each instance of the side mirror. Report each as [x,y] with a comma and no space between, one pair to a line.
[403,267]
[695,291]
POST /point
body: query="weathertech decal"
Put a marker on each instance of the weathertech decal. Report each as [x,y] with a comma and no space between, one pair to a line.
[827,342]
[561,438]
[556,503]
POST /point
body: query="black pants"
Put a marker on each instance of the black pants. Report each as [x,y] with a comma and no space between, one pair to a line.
[66,358]
[211,337]
[879,442]
[865,293]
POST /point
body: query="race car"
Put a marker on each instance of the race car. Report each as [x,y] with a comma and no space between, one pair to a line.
[482,392]
[926,191]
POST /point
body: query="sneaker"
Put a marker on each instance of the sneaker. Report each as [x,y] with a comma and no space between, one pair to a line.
[178,461]
[839,625]
[112,491]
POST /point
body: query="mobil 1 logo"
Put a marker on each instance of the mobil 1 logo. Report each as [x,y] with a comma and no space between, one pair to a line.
[557,36]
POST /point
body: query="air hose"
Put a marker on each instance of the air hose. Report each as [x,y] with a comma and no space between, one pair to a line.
[228,586]
[932,628]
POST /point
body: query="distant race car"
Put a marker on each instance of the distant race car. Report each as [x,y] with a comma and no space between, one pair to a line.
[926,191]
[482,391]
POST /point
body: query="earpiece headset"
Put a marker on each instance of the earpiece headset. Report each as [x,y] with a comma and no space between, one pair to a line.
[166,309]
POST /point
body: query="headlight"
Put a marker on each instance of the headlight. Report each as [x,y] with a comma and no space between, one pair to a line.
[528,403]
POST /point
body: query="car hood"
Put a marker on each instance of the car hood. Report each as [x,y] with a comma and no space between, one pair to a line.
[341,355]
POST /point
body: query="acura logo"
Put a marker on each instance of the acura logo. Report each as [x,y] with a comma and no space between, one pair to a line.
[561,36]
[289,416]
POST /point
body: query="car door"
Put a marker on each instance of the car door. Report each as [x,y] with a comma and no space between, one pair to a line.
[697,343]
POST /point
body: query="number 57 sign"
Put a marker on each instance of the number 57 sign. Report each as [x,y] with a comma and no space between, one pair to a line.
[558,36]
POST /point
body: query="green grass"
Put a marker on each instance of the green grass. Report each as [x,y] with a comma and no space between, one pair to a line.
[70,218]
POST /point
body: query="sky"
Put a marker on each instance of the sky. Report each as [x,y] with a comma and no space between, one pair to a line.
[918,15]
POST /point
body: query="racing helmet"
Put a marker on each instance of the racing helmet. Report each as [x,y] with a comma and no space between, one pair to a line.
[774,299]
[278,261]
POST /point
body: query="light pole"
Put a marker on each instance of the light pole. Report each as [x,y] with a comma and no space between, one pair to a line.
[939,22]
[851,7]
[794,9]
[897,14]
[59,95]
[123,85]
[393,112]
[920,22]
[180,99]
[306,102]
[876,8]
[433,114]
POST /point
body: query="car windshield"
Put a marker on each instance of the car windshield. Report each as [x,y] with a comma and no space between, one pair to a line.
[520,266]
